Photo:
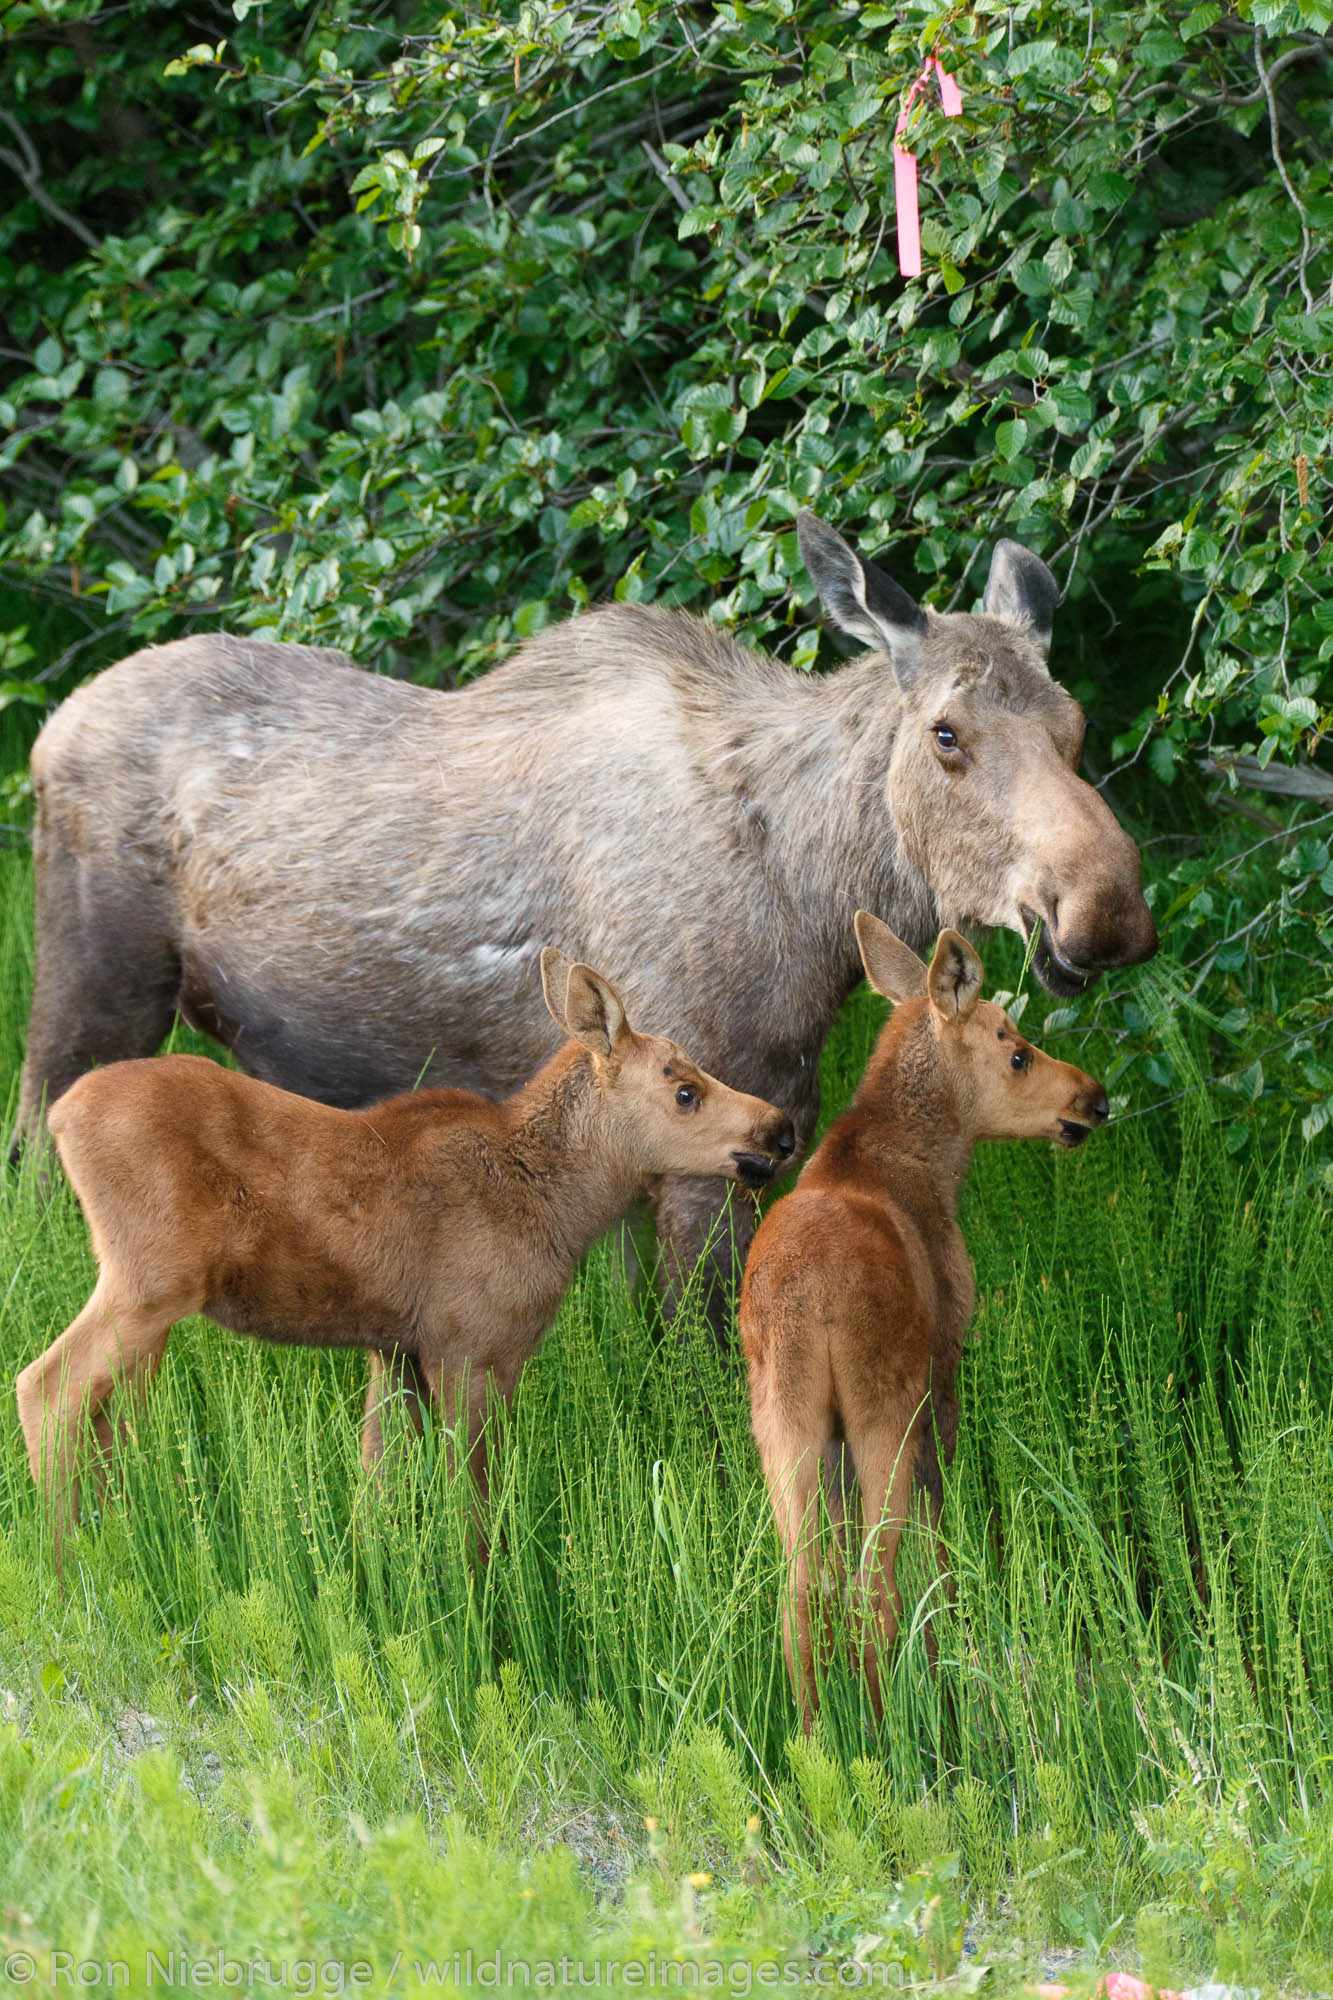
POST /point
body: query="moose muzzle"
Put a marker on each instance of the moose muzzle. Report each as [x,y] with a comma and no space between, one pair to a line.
[1091,909]
[1087,1109]
[773,1145]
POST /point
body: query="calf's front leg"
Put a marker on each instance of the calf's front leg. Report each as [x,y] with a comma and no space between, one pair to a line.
[397,1383]
[462,1396]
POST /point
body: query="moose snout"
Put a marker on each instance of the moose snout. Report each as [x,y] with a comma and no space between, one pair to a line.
[771,1144]
[1092,935]
[1087,1109]
[1094,916]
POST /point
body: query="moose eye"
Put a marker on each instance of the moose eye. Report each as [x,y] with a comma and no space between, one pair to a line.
[1020,1059]
[686,1096]
[944,736]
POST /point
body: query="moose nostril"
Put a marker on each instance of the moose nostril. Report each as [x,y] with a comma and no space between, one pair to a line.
[786,1140]
[1099,1107]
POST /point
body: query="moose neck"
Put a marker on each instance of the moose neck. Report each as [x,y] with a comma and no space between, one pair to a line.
[909,1098]
[576,1179]
[807,758]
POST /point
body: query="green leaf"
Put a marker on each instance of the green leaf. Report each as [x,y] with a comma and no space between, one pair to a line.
[1317,1120]
[1108,189]
[1162,757]
[1160,49]
[25,691]
[532,617]
[1312,332]
[1091,458]
[1027,57]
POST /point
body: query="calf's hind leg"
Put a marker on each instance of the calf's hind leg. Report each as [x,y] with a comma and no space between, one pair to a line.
[114,1341]
[884,1455]
[791,1457]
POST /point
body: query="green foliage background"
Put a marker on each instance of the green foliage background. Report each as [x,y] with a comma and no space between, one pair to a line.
[411,330]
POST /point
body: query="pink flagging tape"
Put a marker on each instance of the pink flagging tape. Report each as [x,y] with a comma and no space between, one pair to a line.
[909,222]
[904,164]
[951,97]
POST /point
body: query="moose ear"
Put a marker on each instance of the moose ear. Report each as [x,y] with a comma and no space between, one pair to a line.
[593,1011]
[954,979]
[556,969]
[1022,590]
[860,598]
[891,966]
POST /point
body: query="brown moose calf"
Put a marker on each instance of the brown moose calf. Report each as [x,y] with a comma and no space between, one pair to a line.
[858,1290]
[438,1229]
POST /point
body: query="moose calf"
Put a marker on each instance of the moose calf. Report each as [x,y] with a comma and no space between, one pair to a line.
[858,1290]
[438,1229]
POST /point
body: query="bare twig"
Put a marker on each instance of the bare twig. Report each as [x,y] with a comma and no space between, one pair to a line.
[1275,147]
[26,166]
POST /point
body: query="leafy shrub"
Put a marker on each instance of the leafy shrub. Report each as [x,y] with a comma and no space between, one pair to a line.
[414,334]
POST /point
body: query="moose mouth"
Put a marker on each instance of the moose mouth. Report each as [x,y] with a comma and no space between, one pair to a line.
[753,1169]
[1062,980]
[1072,1133]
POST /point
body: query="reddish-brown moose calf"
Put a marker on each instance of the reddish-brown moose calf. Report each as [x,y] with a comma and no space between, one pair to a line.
[438,1229]
[858,1290]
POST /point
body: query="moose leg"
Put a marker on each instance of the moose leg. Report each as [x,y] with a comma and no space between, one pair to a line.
[107,975]
[937,1436]
[704,1228]
[791,1455]
[882,1453]
[112,1342]
[464,1398]
[394,1378]
[795,1494]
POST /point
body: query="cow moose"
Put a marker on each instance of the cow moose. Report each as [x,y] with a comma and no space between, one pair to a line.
[345,878]
[437,1230]
[858,1290]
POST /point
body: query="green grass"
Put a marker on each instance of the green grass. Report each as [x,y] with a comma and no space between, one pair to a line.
[270,1709]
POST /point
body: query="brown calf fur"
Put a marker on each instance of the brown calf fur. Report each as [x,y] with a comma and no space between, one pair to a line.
[438,1229]
[858,1290]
